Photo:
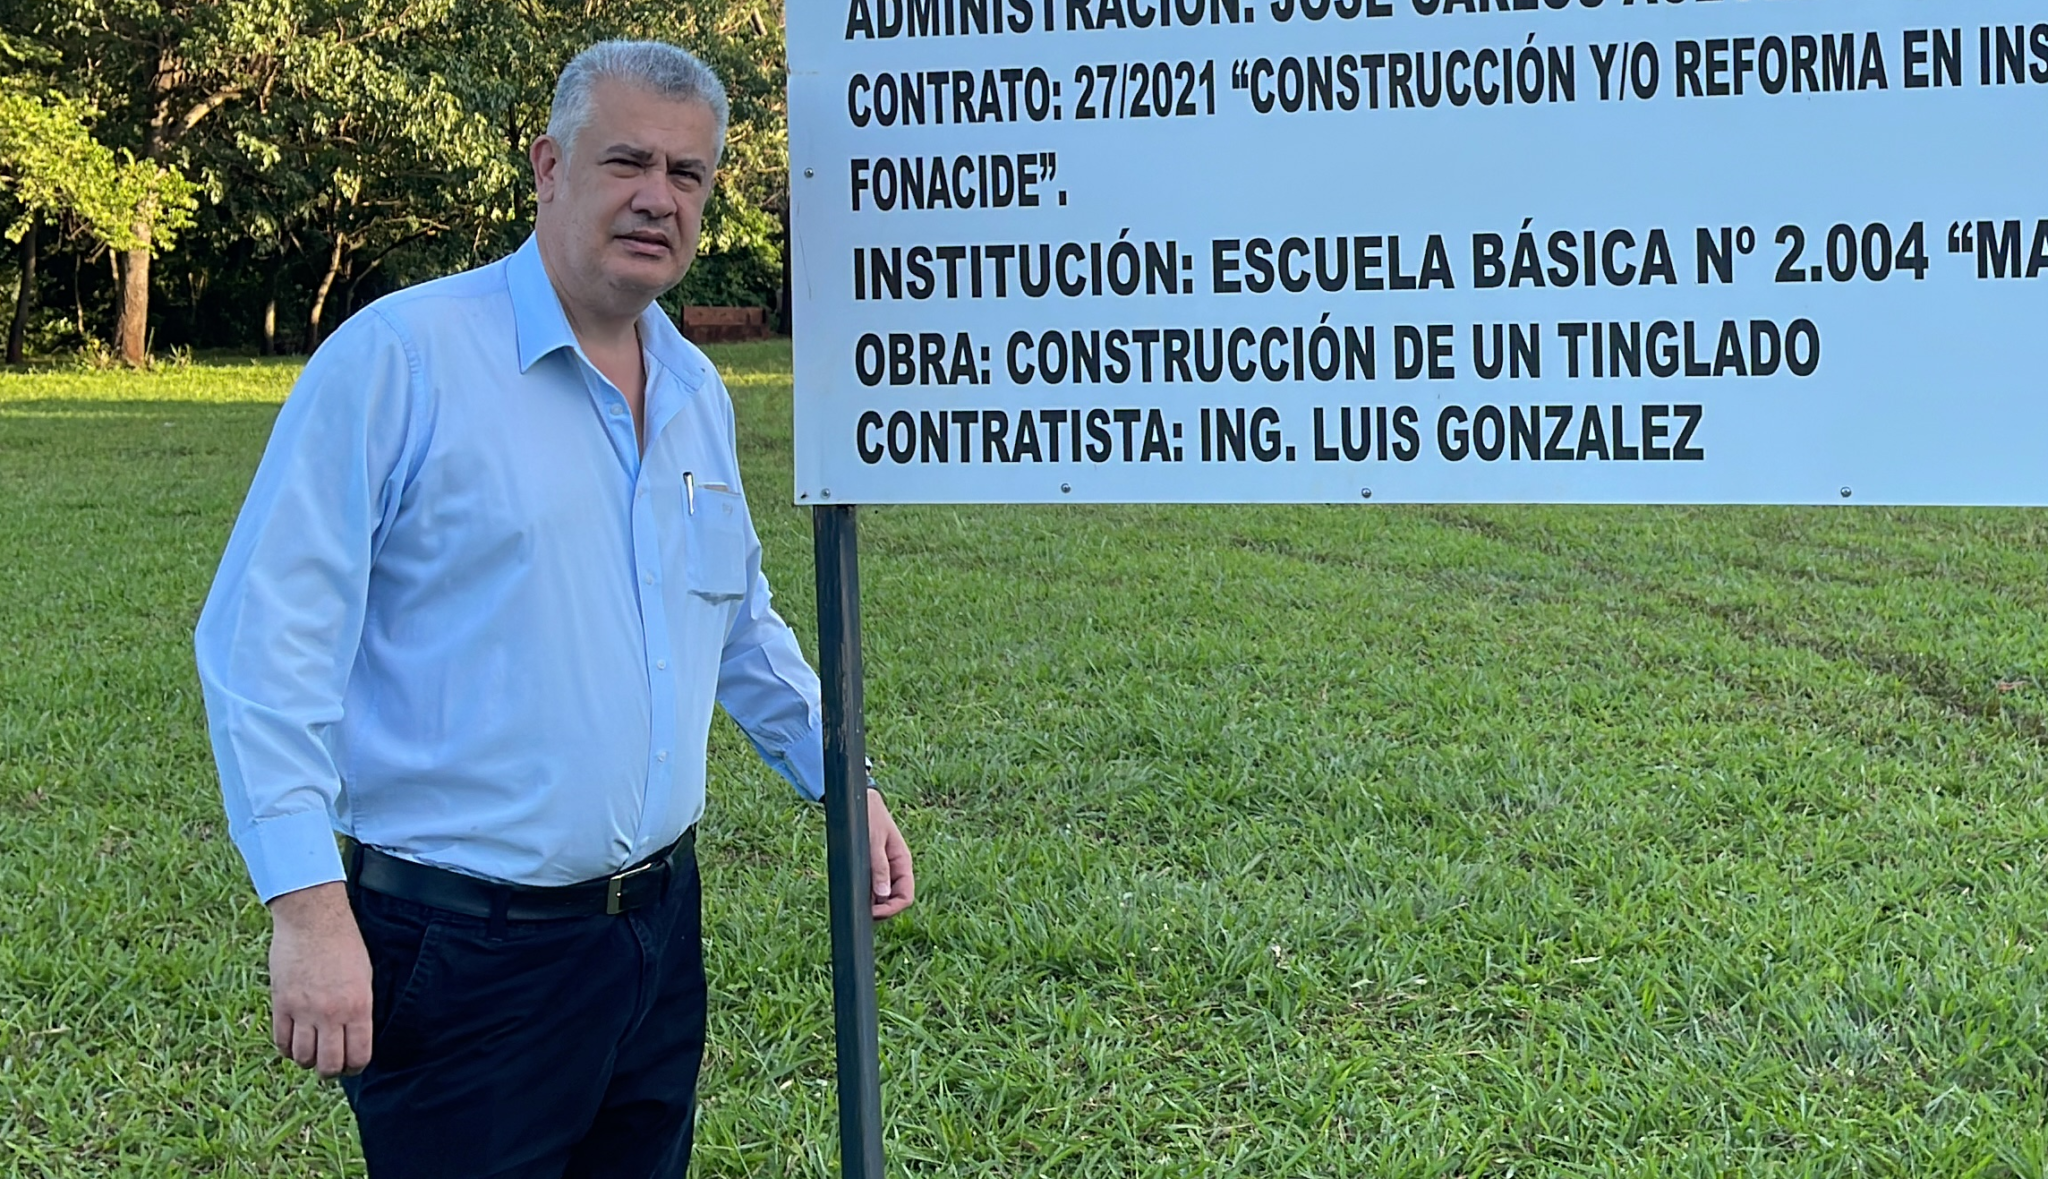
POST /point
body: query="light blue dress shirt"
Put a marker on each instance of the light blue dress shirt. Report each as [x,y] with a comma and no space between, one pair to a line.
[462,618]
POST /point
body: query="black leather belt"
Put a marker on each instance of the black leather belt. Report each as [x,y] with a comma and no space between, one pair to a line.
[623,891]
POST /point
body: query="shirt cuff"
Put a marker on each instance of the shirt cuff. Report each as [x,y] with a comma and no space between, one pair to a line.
[290,852]
[800,760]
[807,764]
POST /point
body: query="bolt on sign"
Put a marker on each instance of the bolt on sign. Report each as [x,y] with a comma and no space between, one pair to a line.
[1420,250]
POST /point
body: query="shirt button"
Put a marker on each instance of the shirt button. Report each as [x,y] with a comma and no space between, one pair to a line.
[662,756]
[648,578]
[661,665]
[618,411]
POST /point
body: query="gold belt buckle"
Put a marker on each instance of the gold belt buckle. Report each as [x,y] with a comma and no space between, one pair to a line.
[615,889]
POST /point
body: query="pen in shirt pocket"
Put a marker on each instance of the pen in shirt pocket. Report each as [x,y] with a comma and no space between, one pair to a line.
[690,490]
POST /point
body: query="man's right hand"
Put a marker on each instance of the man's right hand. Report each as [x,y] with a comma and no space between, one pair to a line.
[319,981]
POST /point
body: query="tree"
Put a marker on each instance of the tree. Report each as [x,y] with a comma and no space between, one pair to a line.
[360,160]
[53,168]
[165,70]
[341,147]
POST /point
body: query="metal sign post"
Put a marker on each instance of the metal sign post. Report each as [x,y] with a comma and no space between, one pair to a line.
[846,845]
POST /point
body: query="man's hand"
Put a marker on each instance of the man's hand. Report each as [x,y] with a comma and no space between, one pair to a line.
[320,980]
[888,861]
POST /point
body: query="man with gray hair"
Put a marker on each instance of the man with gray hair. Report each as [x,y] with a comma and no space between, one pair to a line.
[493,572]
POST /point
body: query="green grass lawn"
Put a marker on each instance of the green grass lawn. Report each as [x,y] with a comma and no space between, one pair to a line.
[1251,841]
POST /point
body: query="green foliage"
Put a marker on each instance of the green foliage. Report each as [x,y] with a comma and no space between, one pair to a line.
[1276,841]
[339,148]
[52,167]
[739,262]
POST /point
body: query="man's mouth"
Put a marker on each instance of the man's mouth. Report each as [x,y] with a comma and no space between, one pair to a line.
[646,240]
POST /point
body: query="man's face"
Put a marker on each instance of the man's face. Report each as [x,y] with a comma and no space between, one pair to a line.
[620,212]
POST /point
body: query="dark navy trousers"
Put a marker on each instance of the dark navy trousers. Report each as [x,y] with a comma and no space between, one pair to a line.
[565,1048]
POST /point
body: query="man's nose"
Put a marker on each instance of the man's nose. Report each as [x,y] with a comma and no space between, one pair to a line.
[653,197]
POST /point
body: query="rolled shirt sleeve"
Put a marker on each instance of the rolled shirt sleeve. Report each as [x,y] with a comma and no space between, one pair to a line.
[279,634]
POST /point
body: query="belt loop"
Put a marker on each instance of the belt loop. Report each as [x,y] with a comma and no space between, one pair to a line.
[501,899]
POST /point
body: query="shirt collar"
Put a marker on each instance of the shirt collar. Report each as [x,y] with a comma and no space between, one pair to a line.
[537,317]
[542,327]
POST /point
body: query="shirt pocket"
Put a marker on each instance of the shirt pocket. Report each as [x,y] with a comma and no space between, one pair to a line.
[715,552]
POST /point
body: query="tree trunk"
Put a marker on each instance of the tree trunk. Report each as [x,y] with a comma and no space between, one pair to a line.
[270,307]
[356,277]
[131,333]
[334,257]
[25,301]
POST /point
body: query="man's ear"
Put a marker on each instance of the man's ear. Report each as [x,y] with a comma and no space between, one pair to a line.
[548,159]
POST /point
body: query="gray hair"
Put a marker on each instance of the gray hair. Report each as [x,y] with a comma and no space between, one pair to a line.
[659,68]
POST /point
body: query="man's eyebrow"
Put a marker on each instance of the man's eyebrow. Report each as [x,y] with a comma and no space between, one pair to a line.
[644,156]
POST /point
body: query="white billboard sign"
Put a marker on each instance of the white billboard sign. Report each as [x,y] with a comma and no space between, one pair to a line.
[1715,251]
